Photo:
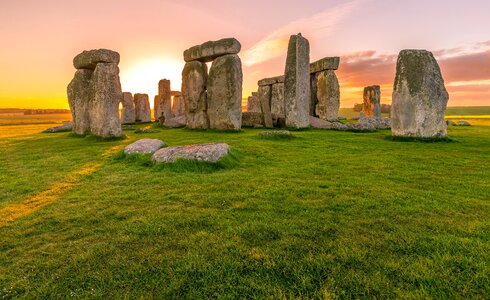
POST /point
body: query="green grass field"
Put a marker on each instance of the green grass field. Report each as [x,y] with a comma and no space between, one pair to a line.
[323,215]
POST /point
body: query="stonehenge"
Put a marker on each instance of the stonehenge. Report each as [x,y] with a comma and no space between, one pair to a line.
[128,115]
[213,100]
[308,94]
[142,108]
[297,83]
[94,94]
[419,96]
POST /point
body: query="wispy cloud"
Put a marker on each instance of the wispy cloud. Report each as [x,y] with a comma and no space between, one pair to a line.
[316,26]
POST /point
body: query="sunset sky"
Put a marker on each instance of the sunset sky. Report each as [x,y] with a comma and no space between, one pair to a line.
[40,39]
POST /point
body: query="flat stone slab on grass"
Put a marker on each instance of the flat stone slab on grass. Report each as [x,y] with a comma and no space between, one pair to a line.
[62,128]
[144,146]
[275,132]
[202,152]
[463,123]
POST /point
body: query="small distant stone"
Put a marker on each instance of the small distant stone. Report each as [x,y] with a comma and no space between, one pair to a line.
[450,123]
[202,152]
[144,146]
[63,128]
[146,129]
[463,123]
[275,132]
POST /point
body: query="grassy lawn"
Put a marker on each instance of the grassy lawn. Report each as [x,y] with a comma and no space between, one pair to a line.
[325,214]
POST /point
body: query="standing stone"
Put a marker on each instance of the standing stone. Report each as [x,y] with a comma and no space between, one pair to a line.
[105,89]
[178,107]
[419,96]
[194,77]
[79,100]
[265,95]
[95,92]
[225,93]
[163,101]
[297,83]
[253,104]
[142,108]
[371,106]
[277,100]
[128,112]
[328,95]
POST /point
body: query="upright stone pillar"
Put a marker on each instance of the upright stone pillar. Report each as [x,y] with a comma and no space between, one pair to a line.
[419,96]
[128,113]
[371,106]
[79,100]
[142,108]
[194,77]
[327,95]
[297,83]
[95,92]
[265,94]
[163,101]
[225,93]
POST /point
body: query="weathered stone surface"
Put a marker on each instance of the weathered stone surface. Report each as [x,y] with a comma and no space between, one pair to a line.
[68,126]
[79,100]
[105,91]
[225,93]
[175,93]
[90,59]
[323,124]
[313,96]
[371,106]
[194,78]
[327,63]
[419,96]
[271,81]
[377,122]
[175,122]
[277,99]
[178,107]
[328,95]
[128,112]
[450,123]
[163,101]
[205,152]
[265,95]
[210,50]
[463,123]
[142,108]
[144,146]
[252,118]
[297,83]
[253,104]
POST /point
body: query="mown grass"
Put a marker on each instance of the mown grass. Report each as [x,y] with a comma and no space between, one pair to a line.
[326,214]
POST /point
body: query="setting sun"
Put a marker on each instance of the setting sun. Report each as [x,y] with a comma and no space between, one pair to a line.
[143,76]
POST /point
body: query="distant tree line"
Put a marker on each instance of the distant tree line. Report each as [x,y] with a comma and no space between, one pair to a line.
[45,111]
[385,108]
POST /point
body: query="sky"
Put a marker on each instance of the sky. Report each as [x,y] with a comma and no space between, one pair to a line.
[40,39]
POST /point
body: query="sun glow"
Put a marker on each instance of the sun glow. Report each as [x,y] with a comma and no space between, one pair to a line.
[143,77]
